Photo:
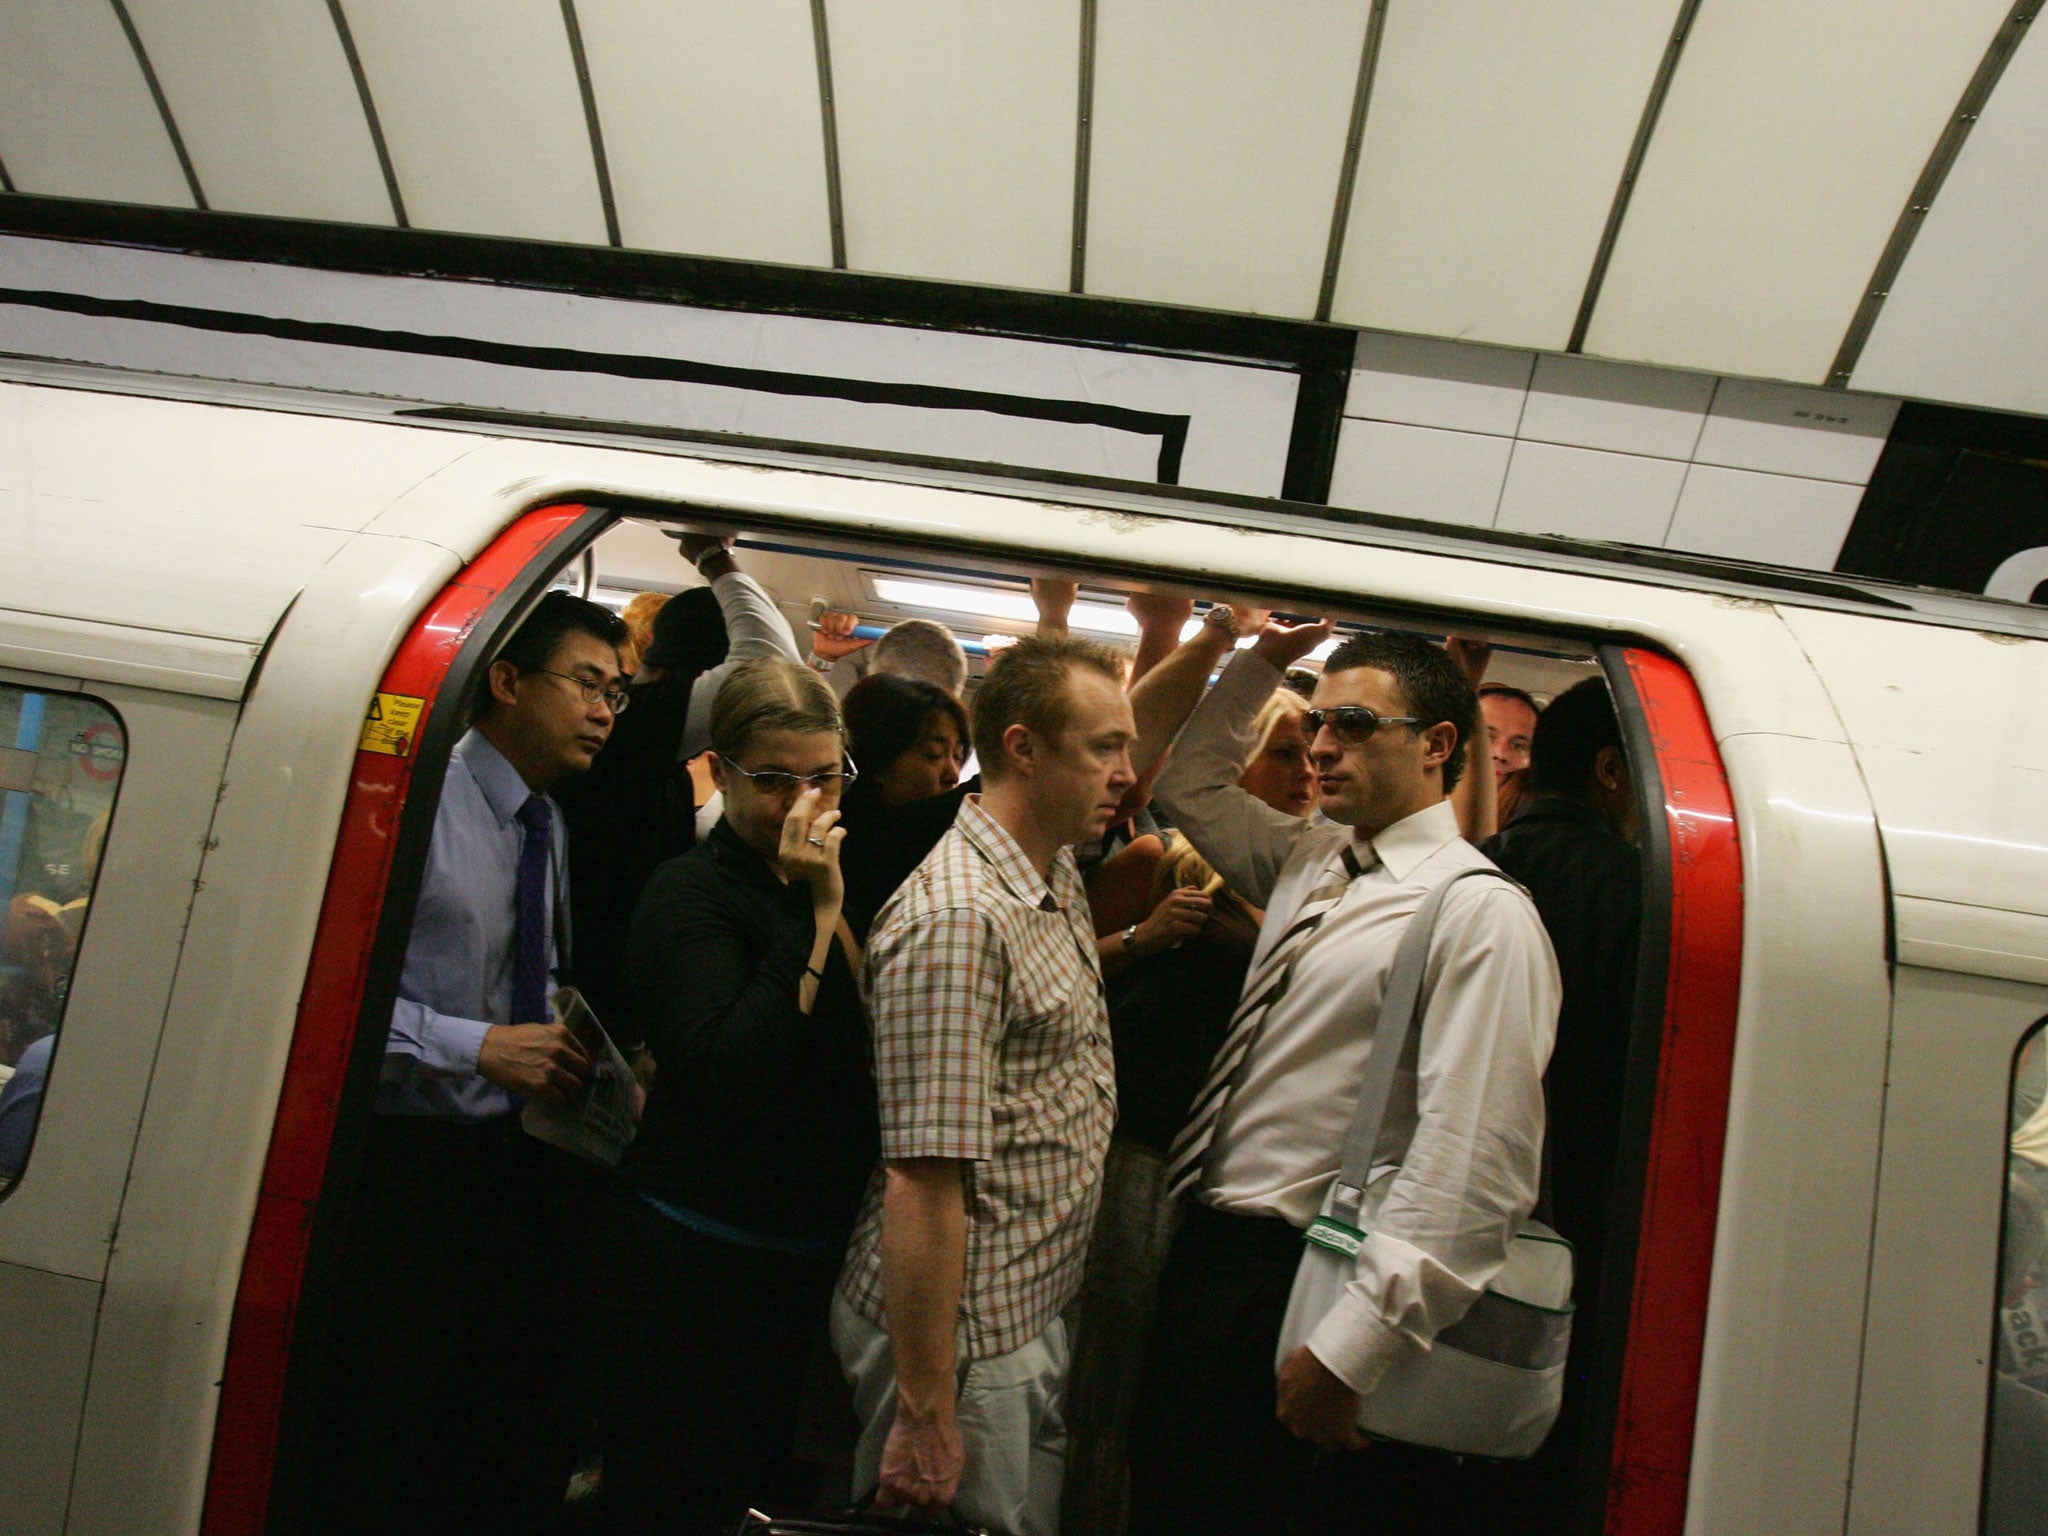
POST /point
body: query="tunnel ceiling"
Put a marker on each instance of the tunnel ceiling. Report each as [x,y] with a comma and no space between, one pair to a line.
[1838,191]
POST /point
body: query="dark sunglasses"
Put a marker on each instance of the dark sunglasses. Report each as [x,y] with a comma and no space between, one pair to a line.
[1351,722]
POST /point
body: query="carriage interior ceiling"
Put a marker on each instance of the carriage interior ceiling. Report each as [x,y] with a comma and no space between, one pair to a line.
[1614,271]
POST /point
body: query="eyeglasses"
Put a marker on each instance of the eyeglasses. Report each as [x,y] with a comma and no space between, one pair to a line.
[773,781]
[613,697]
[1351,722]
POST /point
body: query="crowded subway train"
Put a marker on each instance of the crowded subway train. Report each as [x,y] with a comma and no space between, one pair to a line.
[242,647]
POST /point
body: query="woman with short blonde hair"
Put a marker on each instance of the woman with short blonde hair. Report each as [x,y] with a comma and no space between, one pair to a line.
[713,1260]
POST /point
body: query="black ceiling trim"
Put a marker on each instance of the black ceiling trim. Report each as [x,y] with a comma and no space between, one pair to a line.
[163,105]
[662,432]
[701,281]
[1646,129]
[1318,418]
[1171,430]
[1084,149]
[1904,498]
[828,117]
[1320,355]
[370,118]
[599,163]
[1354,140]
[1989,69]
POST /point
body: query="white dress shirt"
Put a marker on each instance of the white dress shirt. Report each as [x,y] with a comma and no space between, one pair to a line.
[1465,1123]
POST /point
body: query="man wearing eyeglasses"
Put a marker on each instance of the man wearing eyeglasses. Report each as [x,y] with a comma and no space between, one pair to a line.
[441,1412]
[1222,1443]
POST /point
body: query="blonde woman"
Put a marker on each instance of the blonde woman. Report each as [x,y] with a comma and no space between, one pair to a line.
[712,1263]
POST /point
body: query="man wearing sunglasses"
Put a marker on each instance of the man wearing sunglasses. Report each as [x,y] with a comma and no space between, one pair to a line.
[449,1401]
[1221,1442]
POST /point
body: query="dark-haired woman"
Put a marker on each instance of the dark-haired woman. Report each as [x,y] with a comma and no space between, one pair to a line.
[910,740]
[712,1262]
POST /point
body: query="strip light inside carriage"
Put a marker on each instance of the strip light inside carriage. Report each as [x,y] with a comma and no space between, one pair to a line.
[997,605]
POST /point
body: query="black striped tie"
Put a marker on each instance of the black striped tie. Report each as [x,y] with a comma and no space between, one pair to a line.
[1189,1154]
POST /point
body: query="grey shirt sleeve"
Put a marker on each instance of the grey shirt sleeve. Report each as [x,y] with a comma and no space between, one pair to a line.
[754,627]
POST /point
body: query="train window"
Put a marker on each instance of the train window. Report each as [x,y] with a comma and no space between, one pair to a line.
[61,756]
[2016,1483]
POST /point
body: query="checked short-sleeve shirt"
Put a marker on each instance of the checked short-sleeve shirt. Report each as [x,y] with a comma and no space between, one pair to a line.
[992,1046]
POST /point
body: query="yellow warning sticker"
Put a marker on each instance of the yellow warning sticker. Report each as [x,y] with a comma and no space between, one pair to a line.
[391,723]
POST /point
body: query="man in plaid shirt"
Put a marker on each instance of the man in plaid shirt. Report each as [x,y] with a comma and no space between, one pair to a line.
[992,1062]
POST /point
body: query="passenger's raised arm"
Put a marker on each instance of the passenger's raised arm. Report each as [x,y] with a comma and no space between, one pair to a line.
[1245,839]
[1165,694]
[754,627]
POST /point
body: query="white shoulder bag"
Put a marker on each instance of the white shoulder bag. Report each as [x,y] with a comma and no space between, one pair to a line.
[1492,1382]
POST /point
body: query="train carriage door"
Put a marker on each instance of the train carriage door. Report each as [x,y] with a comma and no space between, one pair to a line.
[106,792]
[1953,1429]
[413,723]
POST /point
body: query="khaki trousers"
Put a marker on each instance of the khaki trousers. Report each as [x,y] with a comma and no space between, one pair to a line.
[1011,1423]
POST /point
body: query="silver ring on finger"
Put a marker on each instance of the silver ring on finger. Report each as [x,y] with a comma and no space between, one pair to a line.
[815,842]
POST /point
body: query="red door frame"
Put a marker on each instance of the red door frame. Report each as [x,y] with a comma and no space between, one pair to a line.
[325,1037]
[1660,1370]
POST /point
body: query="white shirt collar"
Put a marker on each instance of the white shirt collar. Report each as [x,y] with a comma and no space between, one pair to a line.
[1409,841]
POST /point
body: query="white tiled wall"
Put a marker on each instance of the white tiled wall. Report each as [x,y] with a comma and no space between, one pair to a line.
[1497,438]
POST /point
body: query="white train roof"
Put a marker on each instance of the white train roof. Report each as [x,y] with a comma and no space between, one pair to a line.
[161,541]
[1840,192]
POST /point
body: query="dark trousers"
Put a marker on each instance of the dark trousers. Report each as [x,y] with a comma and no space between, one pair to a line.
[698,1353]
[1207,1453]
[450,1404]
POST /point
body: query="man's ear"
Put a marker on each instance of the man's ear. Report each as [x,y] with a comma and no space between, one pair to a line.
[1438,743]
[504,680]
[1610,769]
[1020,750]
[717,770]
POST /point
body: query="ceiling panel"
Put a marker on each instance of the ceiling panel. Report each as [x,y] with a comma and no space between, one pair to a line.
[76,117]
[956,137]
[1219,132]
[1967,319]
[263,97]
[712,126]
[1496,137]
[1790,141]
[482,115]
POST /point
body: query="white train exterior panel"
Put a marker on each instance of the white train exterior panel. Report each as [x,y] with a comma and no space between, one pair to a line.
[351,528]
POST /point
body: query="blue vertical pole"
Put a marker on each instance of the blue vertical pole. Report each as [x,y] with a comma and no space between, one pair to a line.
[28,735]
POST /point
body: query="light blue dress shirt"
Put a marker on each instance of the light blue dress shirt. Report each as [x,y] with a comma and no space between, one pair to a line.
[457,980]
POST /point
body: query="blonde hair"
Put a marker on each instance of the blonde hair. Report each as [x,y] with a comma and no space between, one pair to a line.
[771,693]
[2029,1074]
[1282,703]
[639,616]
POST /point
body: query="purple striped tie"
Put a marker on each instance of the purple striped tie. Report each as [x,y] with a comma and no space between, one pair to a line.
[530,934]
